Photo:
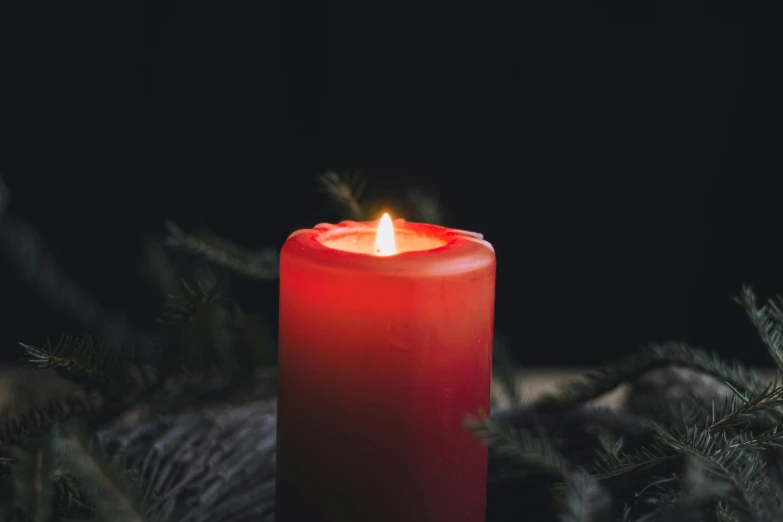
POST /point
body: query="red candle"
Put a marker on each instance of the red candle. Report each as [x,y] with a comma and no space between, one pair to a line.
[385,346]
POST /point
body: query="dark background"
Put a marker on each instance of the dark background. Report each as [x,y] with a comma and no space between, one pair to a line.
[620,157]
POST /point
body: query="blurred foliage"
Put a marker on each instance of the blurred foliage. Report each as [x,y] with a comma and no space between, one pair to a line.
[204,350]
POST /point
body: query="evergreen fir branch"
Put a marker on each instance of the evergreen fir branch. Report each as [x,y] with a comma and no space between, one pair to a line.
[768,320]
[33,263]
[32,481]
[766,440]
[743,409]
[344,190]
[426,208]
[113,495]
[263,264]
[597,384]
[189,393]
[585,500]
[83,361]
[158,270]
[254,339]
[202,328]
[647,459]
[183,308]
[728,465]
[609,444]
[698,493]
[182,322]
[673,413]
[24,423]
[730,459]
[519,446]
[70,496]
[216,466]
[197,331]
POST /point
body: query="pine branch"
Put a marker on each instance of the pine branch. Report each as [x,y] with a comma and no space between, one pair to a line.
[519,446]
[33,480]
[158,270]
[673,413]
[114,497]
[198,392]
[344,190]
[183,325]
[232,477]
[731,468]
[768,320]
[24,423]
[83,361]
[70,495]
[39,270]
[647,459]
[597,384]
[745,409]
[698,495]
[426,208]
[263,264]
[586,501]
[191,393]
[197,331]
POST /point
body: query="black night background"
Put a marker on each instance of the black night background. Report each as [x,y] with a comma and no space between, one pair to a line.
[620,156]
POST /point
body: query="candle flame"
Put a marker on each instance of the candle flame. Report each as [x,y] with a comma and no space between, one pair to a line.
[384,238]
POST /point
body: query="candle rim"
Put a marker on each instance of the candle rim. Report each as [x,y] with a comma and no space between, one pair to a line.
[461,251]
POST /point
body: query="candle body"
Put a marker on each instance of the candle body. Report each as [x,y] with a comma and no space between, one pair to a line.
[378,365]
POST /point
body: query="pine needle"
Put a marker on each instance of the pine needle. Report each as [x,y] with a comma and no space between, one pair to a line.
[599,383]
[768,320]
[113,497]
[158,271]
[33,481]
[698,492]
[586,501]
[197,331]
[740,410]
[36,267]
[731,468]
[612,465]
[196,392]
[83,361]
[426,208]
[70,495]
[344,190]
[519,446]
[24,423]
[263,264]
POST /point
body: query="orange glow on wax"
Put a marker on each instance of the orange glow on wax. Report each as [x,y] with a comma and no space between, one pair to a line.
[380,238]
[384,237]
